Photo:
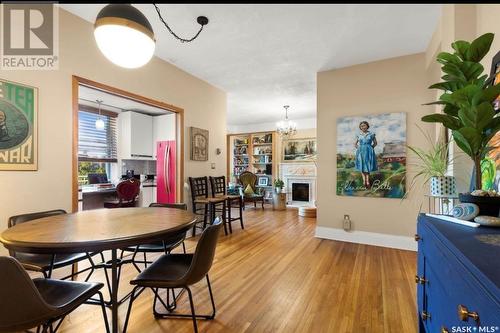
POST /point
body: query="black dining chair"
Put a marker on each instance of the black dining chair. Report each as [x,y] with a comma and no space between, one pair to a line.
[179,270]
[166,246]
[204,205]
[42,303]
[46,263]
[219,190]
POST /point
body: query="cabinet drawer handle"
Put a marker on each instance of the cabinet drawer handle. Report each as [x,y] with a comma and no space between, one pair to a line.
[420,280]
[417,237]
[464,314]
[425,315]
[444,330]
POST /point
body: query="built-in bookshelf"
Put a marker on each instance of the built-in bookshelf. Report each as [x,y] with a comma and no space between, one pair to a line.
[254,152]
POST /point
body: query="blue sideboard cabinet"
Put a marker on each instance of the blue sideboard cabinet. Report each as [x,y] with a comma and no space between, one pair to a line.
[458,277]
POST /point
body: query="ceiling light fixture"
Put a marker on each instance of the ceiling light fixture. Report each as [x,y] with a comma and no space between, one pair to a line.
[99,123]
[125,36]
[287,127]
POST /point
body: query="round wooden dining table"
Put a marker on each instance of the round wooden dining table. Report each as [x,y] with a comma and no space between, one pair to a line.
[95,231]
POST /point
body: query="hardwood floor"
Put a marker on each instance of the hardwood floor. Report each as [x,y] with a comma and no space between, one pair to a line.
[274,276]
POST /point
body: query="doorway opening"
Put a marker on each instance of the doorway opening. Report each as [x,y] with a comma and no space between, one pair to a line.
[119,135]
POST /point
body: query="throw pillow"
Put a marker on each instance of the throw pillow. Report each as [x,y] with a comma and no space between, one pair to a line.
[248,190]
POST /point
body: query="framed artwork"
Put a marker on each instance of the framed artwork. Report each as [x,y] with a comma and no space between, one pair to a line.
[371,155]
[490,165]
[199,144]
[18,126]
[299,150]
[263,181]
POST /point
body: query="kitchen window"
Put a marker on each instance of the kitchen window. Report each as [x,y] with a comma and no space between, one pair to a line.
[97,148]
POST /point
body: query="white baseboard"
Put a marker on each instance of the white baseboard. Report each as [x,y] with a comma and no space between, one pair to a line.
[369,238]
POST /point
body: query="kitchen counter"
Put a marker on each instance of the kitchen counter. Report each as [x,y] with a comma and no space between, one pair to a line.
[98,190]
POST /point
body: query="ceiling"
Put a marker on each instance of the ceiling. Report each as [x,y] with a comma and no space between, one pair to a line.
[266,56]
[110,102]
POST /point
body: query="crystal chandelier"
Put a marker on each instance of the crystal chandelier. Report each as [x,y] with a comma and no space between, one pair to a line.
[286,128]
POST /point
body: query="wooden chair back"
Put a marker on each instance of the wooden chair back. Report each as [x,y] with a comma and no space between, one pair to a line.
[128,190]
[218,185]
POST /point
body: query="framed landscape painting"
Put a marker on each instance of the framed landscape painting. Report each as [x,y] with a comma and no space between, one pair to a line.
[18,126]
[371,155]
[299,150]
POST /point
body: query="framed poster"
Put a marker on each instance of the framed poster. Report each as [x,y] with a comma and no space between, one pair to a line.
[299,150]
[199,144]
[490,165]
[18,126]
[371,155]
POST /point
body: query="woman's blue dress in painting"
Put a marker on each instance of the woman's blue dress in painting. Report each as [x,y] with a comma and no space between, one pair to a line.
[366,161]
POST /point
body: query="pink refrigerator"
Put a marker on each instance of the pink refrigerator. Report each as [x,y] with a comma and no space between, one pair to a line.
[165,171]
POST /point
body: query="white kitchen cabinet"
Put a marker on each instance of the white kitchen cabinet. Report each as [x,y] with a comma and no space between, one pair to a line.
[146,196]
[163,129]
[135,135]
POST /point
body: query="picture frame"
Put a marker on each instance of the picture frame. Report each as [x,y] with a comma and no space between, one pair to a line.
[199,144]
[263,181]
[18,126]
[371,155]
[299,150]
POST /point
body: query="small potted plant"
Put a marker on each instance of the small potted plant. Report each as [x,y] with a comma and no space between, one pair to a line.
[432,166]
[467,102]
[278,185]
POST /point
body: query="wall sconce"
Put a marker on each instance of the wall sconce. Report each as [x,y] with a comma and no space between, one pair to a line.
[218,151]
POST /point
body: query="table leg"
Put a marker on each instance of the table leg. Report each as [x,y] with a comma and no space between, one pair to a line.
[114,292]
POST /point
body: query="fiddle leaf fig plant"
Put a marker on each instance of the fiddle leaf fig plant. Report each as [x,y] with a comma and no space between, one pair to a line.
[467,99]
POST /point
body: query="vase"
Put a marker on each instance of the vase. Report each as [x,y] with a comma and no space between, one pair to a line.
[443,186]
[489,206]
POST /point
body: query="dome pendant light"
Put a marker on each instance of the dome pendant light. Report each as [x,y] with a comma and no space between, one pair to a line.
[124,35]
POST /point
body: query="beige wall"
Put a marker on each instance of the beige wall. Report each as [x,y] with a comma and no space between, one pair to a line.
[393,85]
[50,186]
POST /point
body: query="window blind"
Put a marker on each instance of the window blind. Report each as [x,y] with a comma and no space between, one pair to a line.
[93,144]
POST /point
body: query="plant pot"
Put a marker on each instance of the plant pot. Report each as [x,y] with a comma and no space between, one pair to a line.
[278,190]
[443,186]
[489,206]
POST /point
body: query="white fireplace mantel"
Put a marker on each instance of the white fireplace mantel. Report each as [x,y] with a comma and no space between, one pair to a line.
[299,173]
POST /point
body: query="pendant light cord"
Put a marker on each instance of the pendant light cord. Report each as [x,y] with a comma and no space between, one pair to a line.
[202,20]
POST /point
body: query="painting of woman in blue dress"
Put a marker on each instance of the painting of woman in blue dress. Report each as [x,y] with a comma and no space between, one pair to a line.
[366,160]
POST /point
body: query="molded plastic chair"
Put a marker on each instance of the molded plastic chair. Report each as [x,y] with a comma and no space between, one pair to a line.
[26,303]
[127,192]
[45,263]
[179,271]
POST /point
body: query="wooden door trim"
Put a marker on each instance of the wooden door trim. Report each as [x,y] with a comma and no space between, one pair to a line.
[76,82]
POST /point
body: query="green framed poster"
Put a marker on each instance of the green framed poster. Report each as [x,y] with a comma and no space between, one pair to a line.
[18,126]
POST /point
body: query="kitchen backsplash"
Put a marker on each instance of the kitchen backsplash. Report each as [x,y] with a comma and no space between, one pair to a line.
[139,166]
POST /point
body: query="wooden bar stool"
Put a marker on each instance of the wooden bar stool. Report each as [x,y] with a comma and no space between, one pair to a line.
[219,190]
[203,205]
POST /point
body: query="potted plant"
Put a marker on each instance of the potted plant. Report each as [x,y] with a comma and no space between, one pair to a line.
[467,101]
[278,185]
[432,166]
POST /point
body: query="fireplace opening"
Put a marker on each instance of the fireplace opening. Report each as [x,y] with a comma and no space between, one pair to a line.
[300,192]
